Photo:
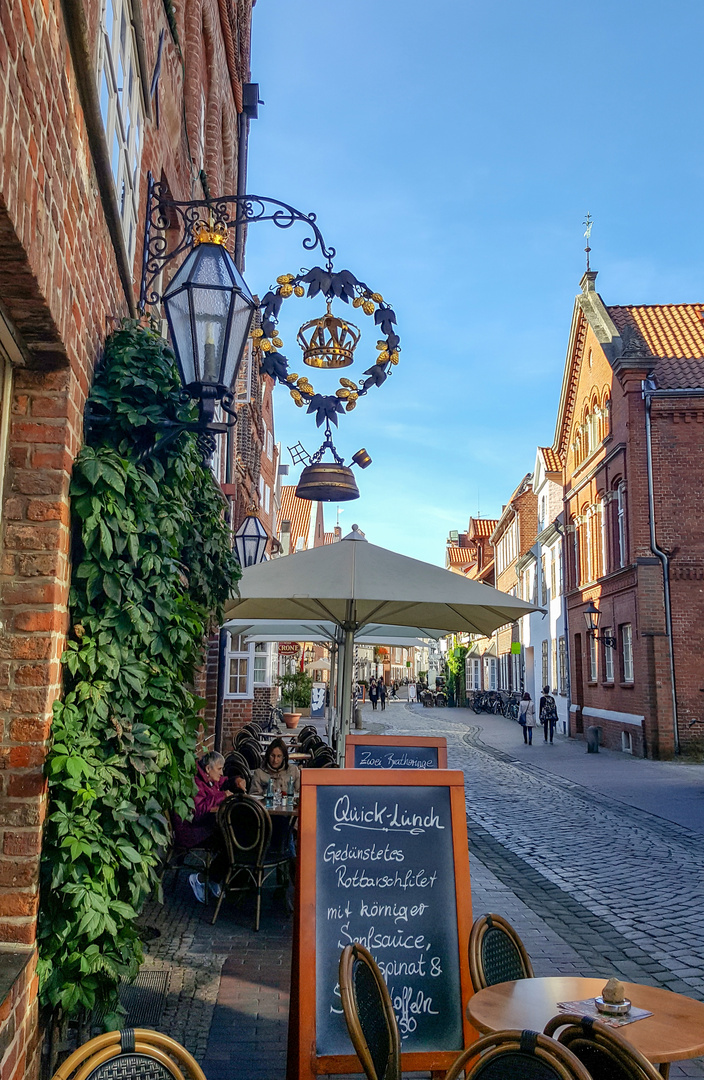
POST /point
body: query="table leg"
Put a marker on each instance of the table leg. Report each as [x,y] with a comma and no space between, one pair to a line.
[664,1069]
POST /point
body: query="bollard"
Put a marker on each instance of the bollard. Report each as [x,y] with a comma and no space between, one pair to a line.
[358,717]
[593,734]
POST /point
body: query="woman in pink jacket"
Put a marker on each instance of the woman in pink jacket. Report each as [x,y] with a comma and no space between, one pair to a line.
[202,830]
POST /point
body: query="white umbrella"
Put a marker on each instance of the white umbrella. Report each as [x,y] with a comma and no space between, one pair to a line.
[354,583]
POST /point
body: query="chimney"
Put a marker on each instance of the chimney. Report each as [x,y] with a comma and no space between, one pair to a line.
[285,537]
[337,534]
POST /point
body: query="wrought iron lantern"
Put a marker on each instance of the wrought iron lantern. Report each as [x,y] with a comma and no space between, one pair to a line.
[251,540]
[592,616]
[209,309]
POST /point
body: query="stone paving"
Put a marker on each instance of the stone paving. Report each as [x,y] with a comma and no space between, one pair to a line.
[595,883]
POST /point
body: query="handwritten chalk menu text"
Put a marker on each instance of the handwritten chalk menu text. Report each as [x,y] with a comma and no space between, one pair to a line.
[385,878]
[395,757]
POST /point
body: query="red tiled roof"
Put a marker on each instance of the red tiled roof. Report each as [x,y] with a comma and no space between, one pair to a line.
[551,459]
[482,526]
[459,556]
[298,512]
[679,374]
[672,330]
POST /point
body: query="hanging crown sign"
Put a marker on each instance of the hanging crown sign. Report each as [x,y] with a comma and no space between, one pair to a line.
[328,342]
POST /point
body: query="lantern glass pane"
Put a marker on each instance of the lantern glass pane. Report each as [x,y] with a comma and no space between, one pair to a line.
[242,313]
[179,317]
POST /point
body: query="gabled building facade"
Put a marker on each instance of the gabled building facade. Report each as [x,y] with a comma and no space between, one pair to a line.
[542,633]
[629,433]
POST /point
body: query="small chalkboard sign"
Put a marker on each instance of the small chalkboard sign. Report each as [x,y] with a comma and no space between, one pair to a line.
[383,861]
[395,752]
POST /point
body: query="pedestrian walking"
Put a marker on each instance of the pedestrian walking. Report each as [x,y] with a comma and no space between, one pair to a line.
[526,718]
[373,693]
[548,713]
[382,694]
[412,691]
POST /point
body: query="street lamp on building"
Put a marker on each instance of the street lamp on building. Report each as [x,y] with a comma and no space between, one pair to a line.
[251,540]
[592,616]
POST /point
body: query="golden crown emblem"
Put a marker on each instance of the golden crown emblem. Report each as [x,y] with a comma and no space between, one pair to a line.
[328,342]
[208,232]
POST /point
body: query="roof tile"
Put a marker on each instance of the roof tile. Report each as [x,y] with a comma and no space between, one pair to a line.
[670,330]
[298,512]
[551,459]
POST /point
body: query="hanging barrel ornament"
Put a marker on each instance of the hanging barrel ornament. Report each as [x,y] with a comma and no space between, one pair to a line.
[326,481]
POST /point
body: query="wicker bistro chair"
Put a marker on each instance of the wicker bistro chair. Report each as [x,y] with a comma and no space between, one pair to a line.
[517,1055]
[251,753]
[601,1049]
[244,735]
[130,1054]
[246,829]
[496,953]
[237,765]
[369,1014]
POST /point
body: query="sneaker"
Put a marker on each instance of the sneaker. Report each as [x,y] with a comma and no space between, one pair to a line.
[215,889]
[198,888]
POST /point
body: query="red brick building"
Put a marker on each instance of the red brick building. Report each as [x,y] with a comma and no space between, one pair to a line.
[93,95]
[629,429]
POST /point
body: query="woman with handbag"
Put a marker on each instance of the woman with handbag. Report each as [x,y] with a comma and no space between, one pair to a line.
[526,718]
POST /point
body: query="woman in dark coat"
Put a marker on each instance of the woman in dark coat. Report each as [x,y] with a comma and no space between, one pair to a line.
[373,693]
[382,694]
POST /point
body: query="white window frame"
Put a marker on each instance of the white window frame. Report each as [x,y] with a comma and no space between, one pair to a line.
[588,541]
[121,107]
[603,510]
[242,651]
[474,674]
[593,658]
[621,522]
[608,657]
[627,652]
[544,662]
[490,672]
[562,664]
[264,650]
[516,679]
[544,579]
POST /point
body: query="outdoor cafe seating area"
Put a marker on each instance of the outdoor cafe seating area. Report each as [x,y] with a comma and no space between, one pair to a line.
[515,1026]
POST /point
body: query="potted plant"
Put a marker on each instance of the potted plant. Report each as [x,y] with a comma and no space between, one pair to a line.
[295,689]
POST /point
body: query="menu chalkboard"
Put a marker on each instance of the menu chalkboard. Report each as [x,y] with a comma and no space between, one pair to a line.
[382,861]
[395,752]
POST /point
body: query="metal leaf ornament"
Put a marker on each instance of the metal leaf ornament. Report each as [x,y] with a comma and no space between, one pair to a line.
[344,286]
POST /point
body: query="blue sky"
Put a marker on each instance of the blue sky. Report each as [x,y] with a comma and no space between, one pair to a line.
[451,151]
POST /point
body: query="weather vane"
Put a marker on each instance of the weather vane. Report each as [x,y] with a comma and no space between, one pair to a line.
[588,232]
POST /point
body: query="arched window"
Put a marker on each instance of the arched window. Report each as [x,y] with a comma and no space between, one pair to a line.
[606,416]
[589,544]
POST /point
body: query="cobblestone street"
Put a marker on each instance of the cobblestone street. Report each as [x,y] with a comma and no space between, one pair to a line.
[594,884]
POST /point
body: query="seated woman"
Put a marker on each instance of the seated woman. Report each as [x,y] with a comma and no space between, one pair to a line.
[276,767]
[202,830]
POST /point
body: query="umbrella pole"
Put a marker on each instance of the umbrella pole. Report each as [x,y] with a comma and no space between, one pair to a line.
[346,691]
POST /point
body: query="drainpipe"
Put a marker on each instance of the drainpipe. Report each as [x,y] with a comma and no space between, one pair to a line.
[649,392]
[250,111]
[563,564]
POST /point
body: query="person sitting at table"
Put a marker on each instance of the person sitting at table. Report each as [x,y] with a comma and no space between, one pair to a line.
[275,767]
[202,829]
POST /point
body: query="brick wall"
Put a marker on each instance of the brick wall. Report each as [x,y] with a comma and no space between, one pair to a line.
[54,237]
[19,1035]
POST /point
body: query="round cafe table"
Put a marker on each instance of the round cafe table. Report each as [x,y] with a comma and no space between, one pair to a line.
[674,1032]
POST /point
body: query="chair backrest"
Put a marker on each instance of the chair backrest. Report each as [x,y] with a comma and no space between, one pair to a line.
[369,1014]
[605,1053]
[237,765]
[243,736]
[496,953]
[322,756]
[305,731]
[312,743]
[251,754]
[508,1055]
[246,829]
[131,1054]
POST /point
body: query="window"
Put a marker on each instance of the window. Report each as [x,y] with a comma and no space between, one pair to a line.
[5,401]
[603,510]
[553,666]
[265,664]
[507,547]
[474,679]
[627,652]
[543,512]
[553,574]
[267,498]
[545,674]
[593,667]
[121,109]
[563,665]
[621,522]
[577,574]
[543,580]
[608,658]
[243,385]
[239,667]
[588,540]
[516,680]
[490,673]
[269,445]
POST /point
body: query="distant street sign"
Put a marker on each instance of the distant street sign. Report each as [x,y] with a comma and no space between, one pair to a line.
[289,648]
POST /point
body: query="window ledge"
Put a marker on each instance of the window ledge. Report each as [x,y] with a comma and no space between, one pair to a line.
[609,684]
[592,682]
[627,685]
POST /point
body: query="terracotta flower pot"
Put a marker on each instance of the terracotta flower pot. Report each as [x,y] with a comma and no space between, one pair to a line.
[291,719]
